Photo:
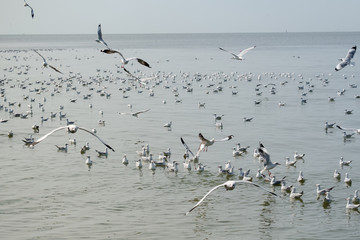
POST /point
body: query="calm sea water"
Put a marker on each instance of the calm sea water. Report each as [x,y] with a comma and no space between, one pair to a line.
[46,194]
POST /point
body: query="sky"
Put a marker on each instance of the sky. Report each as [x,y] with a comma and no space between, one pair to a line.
[178,16]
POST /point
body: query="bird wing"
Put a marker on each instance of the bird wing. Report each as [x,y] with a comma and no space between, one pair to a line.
[143,62]
[350,54]
[100,39]
[264,155]
[48,134]
[243,52]
[186,146]
[347,129]
[256,185]
[203,198]
[144,111]
[84,129]
[55,69]
[111,51]
[341,65]
[40,55]
[225,139]
[236,56]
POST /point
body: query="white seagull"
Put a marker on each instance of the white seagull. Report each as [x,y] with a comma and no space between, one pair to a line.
[322,191]
[135,114]
[229,185]
[126,60]
[27,5]
[71,129]
[350,205]
[268,165]
[195,158]
[347,60]
[45,64]
[100,39]
[239,56]
[205,143]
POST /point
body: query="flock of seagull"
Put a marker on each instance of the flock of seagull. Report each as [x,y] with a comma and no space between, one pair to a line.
[260,153]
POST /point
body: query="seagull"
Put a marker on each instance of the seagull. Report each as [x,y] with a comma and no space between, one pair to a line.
[284,187]
[320,191]
[205,143]
[267,162]
[337,174]
[298,156]
[61,149]
[100,39]
[45,64]
[300,178]
[229,185]
[327,199]
[88,161]
[125,161]
[290,163]
[168,125]
[356,198]
[344,163]
[27,5]
[239,56]
[102,154]
[275,182]
[350,205]
[294,194]
[71,129]
[347,179]
[126,60]
[135,114]
[329,125]
[347,60]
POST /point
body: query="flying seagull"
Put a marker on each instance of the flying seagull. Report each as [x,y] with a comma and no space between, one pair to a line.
[347,60]
[100,39]
[239,56]
[205,143]
[27,5]
[45,64]
[135,114]
[71,129]
[126,60]
[229,185]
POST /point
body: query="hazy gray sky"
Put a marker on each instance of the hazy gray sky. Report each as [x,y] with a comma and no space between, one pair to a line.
[178,16]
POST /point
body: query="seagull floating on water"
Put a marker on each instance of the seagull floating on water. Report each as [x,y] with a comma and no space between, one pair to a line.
[71,129]
[229,185]
[322,191]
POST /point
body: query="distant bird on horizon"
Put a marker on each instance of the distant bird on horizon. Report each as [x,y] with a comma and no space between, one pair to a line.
[32,10]
[100,39]
[45,64]
[347,60]
[239,56]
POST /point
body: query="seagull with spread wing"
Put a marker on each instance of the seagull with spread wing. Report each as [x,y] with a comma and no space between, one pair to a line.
[229,185]
[205,143]
[71,129]
[135,114]
[126,60]
[32,10]
[100,39]
[239,56]
[347,60]
[45,64]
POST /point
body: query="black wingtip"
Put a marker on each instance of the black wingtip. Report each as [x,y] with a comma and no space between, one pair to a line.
[182,140]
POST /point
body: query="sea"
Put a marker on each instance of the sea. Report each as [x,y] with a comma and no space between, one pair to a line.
[49,194]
